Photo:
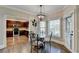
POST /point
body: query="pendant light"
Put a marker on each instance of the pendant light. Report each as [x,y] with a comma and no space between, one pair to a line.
[41,16]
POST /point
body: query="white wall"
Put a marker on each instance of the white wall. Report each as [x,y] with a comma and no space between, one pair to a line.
[31,27]
[77,39]
[2,32]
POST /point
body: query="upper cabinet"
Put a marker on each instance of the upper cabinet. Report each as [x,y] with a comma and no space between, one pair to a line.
[10,24]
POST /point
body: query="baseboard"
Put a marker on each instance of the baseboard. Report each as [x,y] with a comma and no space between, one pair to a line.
[68,48]
[59,42]
[1,46]
[62,43]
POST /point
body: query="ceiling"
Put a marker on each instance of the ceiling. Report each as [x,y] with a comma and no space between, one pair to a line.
[35,9]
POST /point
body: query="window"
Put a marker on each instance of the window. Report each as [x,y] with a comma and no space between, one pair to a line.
[54,28]
[42,29]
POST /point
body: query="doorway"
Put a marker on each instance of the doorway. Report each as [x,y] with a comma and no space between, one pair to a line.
[69,25]
[22,38]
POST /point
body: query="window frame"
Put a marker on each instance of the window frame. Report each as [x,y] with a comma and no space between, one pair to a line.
[59,30]
[42,27]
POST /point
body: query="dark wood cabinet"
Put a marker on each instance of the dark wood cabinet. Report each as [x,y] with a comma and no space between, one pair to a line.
[10,24]
[23,32]
[26,33]
[9,33]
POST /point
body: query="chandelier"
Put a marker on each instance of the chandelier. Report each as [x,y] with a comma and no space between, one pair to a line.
[41,16]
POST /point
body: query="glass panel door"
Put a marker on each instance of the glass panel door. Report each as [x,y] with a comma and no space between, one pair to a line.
[69,31]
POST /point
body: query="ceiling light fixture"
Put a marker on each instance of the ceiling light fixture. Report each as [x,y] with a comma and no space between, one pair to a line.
[41,16]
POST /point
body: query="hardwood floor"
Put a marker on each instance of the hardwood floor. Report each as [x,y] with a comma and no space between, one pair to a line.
[18,46]
[16,41]
[53,48]
[22,45]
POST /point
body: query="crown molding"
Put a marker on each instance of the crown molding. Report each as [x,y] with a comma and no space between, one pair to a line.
[16,9]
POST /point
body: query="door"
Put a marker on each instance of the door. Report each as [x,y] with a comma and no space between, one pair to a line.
[69,31]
